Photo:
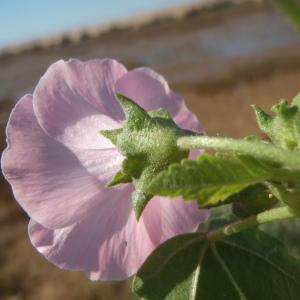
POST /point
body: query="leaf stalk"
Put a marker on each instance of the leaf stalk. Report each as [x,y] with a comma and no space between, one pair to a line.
[258,149]
[274,214]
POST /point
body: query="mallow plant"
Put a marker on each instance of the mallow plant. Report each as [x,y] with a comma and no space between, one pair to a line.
[119,179]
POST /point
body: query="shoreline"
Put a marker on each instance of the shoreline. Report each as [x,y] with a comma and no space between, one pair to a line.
[136,22]
[203,48]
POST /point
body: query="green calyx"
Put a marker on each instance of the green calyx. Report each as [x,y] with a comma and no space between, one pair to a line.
[284,127]
[148,141]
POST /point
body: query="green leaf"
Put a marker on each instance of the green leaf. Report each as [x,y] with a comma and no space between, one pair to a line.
[211,179]
[282,129]
[296,100]
[252,200]
[249,265]
[292,9]
[288,194]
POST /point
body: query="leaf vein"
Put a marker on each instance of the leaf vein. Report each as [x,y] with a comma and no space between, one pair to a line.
[194,286]
[262,258]
[169,257]
[227,271]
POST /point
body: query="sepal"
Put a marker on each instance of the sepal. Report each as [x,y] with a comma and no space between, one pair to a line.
[119,178]
[112,135]
[283,128]
[148,141]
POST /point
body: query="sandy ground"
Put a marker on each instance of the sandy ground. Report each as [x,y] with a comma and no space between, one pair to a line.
[226,111]
[222,103]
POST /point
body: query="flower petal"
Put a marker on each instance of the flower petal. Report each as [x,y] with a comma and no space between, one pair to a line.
[173,216]
[48,181]
[109,245]
[112,245]
[103,164]
[151,91]
[74,100]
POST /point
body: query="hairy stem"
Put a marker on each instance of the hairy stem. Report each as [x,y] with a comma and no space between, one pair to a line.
[259,149]
[275,214]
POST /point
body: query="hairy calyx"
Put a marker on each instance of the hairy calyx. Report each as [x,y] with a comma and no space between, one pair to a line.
[148,141]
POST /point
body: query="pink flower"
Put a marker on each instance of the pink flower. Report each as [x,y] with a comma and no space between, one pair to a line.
[58,166]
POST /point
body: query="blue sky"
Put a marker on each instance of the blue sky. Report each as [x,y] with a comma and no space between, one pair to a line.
[23,20]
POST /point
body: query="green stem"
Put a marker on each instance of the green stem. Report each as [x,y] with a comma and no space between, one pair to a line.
[259,149]
[275,214]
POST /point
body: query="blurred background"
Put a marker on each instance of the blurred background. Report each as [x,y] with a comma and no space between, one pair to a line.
[220,55]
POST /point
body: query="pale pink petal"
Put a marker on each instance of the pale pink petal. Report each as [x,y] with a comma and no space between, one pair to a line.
[185,119]
[107,245]
[172,216]
[151,91]
[112,245]
[48,181]
[58,164]
[74,100]
[103,164]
